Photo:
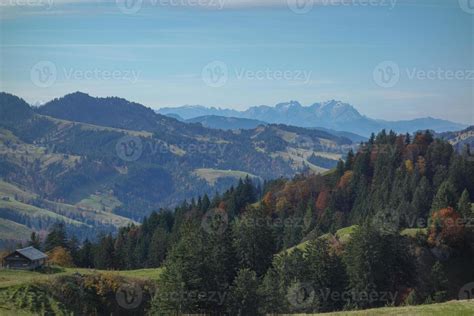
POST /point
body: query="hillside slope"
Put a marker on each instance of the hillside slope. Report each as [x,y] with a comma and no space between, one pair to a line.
[118,160]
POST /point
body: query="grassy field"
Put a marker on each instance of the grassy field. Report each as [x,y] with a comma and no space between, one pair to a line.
[13,231]
[17,277]
[95,209]
[33,211]
[100,202]
[87,126]
[454,308]
[412,232]
[212,175]
[9,190]
[299,158]
[342,234]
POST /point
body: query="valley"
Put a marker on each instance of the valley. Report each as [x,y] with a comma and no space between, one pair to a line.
[67,160]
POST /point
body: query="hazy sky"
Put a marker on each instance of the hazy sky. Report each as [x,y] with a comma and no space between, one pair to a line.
[390,59]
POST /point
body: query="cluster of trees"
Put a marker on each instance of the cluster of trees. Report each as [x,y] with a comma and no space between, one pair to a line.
[408,202]
[145,245]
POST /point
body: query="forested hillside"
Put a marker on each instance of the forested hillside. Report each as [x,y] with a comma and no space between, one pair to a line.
[105,162]
[392,225]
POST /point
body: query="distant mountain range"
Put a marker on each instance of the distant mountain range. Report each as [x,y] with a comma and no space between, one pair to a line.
[333,115]
[460,139]
[100,163]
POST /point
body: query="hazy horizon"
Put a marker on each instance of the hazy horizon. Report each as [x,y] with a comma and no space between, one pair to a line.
[230,108]
[392,60]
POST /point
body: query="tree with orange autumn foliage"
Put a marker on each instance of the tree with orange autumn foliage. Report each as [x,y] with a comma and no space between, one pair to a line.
[409,166]
[222,206]
[446,228]
[345,179]
[268,199]
[61,257]
[322,200]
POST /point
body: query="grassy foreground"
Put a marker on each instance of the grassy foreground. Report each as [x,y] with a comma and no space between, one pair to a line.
[35,293]
[455,308]
[17,277]
[18,280]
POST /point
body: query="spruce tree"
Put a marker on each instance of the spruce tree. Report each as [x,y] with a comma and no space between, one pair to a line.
[445,197]
[158,247]
[34,241]
[465,206]
[253,241]
[56,237]
[243,294]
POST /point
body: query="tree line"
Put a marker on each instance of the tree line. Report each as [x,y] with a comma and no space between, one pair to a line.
[277,249]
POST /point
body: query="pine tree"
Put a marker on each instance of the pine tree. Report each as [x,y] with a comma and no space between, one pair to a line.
[219,263]
[422,198]
[445,197]
[34,241]
[158,247]
[104,253]
[73,246]
[272,293]
[349,160]
[85,255]
[407,139]
[325,272]
[464,205]
[56,237]
[253,241]
[377,262]
[184,273]
[439,283]
[243,294]
[340,168]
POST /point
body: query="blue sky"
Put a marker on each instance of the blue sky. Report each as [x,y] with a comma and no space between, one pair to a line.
[260,52]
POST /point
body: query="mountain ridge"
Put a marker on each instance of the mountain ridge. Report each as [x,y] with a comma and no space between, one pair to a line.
[332,114]
[68,157]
